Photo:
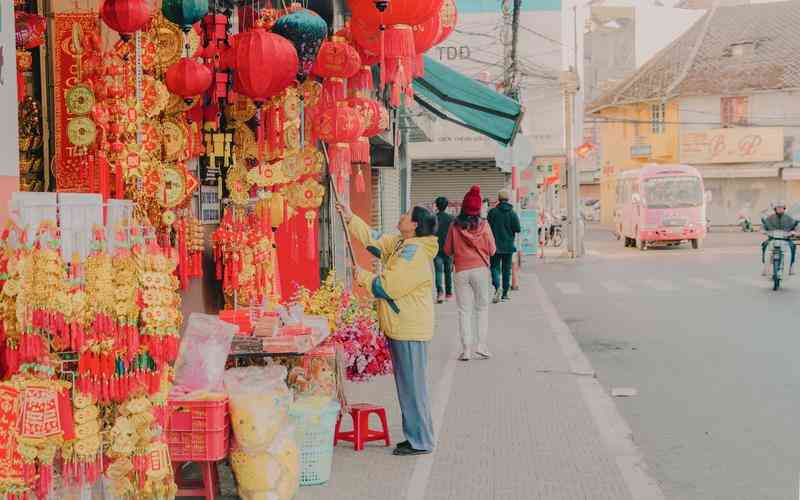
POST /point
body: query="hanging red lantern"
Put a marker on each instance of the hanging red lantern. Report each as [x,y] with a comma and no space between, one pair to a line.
[188,78]
[339,125]
[264,64]
[126,17]
[397,12]
[370,112]
[448,19]
[425,36]
[336,61]
[216,28]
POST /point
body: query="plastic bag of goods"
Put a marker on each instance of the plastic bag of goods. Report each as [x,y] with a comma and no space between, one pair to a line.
[204,350]
[259,401]
[269,474]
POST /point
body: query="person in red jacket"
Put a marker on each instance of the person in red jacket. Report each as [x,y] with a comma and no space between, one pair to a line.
[471,244]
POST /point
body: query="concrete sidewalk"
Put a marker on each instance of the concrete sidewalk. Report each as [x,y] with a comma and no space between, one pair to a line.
[532,423]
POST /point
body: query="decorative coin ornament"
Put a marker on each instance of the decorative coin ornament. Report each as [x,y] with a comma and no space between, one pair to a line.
[242,109]
[80,100]
[175,138]
[172,189]
[81,131]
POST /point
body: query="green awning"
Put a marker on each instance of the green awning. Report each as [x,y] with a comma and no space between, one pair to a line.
[453,96]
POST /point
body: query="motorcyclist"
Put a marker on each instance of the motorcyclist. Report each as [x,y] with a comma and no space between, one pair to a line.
[779,221]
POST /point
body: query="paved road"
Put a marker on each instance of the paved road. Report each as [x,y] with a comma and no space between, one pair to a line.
[712,351]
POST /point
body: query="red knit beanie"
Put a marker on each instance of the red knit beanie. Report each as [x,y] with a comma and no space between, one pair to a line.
[472,202]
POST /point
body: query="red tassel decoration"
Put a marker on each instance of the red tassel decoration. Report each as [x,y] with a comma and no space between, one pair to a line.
[359,151]
[362,81]
[399,42]
[333,90]
[311,237]
[120,185]
[419,66]
[361,184]
[20,86]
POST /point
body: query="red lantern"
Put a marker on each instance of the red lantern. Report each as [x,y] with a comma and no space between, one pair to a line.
[188,78]
[339,125]
[336,61]
[370,112]
[126,16]
[398,12]
[448,19]
[425,36]
[264,64]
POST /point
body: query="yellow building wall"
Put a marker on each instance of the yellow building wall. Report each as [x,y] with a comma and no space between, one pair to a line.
[622,128]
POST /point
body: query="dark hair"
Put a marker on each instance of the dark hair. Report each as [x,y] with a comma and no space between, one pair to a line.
[426,222]
[441,203]
[470,222]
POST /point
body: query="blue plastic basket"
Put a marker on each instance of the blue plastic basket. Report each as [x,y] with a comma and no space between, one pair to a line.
[314,429]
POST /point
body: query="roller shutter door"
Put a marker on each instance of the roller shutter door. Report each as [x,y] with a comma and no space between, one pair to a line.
[453,179]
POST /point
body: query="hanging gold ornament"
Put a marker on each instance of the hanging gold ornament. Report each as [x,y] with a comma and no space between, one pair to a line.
[81,131]
[244,141]
[238,183]
[175,135]
[240,109]
[307,194]
[267,174]
[79,99]
[170,41]
[177,104]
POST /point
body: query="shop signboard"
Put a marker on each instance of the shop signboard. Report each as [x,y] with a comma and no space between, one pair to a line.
[733,145]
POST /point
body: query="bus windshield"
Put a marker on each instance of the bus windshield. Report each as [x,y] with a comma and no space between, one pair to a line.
[673,192]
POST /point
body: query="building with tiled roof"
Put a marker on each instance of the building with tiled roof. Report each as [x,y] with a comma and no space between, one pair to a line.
[733,77]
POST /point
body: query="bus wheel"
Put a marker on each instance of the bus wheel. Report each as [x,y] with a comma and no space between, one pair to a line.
[641,244]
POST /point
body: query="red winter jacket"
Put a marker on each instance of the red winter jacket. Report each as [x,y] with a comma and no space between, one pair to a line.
[470,249]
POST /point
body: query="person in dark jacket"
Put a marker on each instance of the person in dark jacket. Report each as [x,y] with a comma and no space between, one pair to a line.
[443,263]
[505,226]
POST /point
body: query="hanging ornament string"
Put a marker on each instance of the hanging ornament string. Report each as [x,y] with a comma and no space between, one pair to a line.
[138,81]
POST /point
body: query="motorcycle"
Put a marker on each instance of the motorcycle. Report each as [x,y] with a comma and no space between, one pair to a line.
[777,250]
[745,223]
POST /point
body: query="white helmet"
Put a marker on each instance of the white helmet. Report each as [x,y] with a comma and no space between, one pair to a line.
[778,204]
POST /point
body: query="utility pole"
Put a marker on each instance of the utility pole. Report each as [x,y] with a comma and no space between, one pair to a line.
[569,87]
[512,90]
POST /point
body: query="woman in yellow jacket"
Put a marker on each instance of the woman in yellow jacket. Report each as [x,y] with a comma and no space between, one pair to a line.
[403,288]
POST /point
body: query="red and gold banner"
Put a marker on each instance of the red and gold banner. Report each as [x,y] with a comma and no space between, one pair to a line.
[10,459]
[71,163]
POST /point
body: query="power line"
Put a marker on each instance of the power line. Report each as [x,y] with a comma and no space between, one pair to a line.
[650,122]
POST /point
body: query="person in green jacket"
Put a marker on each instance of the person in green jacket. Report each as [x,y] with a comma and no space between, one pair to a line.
[505,227]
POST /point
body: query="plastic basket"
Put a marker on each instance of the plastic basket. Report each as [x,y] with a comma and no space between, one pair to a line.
[198,431]
[314,431]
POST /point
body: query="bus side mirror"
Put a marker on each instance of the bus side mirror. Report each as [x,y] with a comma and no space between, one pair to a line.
[708,196]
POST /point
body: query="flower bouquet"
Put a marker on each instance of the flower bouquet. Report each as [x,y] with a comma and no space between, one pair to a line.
[354,324]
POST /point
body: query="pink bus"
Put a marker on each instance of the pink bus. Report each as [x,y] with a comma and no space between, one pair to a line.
[661,205]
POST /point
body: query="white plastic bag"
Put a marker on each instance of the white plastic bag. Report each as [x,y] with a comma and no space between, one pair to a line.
[204,350]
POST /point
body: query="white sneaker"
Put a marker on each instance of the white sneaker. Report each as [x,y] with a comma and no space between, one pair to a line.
[483,353]
[465,356]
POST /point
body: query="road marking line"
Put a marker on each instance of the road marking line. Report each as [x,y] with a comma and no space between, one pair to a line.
[613,430]
[702,282]
[568,288]
[660,285]
[418,484]
[615,287]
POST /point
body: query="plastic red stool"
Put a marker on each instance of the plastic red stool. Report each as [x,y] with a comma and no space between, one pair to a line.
[206,488]
[361,432]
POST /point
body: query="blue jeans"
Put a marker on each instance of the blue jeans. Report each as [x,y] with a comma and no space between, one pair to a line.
[410,361]
[501,264]
[444,271]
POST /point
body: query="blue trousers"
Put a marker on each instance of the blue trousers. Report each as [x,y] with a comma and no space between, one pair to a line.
[444,273]
[410,360]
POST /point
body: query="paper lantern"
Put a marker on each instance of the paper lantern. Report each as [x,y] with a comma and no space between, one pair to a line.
[339,125]
[126,17]
[398,12]
[306,30]
[255,56]
[184,13]
[188,78]
[448,19]
[337,60]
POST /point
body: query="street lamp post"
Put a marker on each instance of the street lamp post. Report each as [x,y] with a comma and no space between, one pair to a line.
[569,87]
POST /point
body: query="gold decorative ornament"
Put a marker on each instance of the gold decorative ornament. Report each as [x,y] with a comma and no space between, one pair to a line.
[241,109]
[308,194]
[238,183]
[175,136]
[79,99]
[176,186]
[177,104]
[81,131]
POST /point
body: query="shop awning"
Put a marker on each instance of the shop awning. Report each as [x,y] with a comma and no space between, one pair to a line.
[453,96]
[738,172]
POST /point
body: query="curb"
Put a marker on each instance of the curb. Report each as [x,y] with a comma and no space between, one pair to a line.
[614,431]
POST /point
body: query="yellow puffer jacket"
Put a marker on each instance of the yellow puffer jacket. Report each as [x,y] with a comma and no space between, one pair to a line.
[405,285]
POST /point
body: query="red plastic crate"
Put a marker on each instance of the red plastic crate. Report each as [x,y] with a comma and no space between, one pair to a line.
[198,430]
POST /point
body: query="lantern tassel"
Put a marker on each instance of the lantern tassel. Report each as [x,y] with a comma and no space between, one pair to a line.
[361,185]
[400,42]
[359,151]
[311,239]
